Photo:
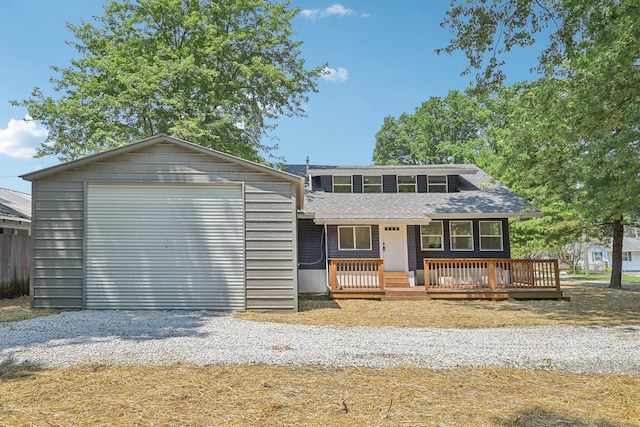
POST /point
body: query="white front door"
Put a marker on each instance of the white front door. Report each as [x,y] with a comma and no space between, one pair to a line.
[393,241]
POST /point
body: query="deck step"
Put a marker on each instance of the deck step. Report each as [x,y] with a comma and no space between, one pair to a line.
[412,293]
[394,279]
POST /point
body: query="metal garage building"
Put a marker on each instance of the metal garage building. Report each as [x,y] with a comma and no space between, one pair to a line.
[164,224]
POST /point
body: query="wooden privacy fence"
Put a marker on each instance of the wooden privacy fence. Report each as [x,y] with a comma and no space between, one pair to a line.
[356,274]
[15,255]
[495,274]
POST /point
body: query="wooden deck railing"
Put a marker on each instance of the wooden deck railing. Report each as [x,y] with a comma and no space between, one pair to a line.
[494,274]
[345,274]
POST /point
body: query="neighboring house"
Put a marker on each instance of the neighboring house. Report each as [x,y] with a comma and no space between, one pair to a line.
[15,212]
[601,256]
[165,224]
[402,216]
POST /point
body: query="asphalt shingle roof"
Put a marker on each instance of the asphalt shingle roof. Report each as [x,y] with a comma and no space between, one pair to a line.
[479,194]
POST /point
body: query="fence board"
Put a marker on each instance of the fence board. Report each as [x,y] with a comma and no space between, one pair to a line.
[15,255]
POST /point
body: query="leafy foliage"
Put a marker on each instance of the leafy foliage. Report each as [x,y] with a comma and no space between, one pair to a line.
[574,134]
[212,72]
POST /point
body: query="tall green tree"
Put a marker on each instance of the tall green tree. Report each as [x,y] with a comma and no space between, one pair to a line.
[441,130]
[575,137]
[215,72]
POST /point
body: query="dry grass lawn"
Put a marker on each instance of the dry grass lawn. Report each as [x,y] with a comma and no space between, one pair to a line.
[245,395]
[588,305]
[284,396]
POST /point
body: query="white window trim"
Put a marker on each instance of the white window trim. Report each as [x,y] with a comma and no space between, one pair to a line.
[353,227]
[415,183]
[333,182]
[593,256]
[451,236]
[490,235]
[446,183]
[422,248]
[628,257]
[371,185]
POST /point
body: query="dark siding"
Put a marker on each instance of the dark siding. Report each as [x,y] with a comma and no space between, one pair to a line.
[422,183]
[326,182]
[356,184]
[332,234]
[453,183]
[389,184]
[476,253]
[316,183]
[411,246]
[311,246]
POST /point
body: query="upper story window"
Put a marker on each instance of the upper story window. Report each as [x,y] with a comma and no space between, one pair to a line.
[461,235]
[437,184]
[490,235]
[372,184]
[406,183]
[354,238]
[432,236]
[342,184]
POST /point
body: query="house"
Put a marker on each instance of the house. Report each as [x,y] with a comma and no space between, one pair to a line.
[15,212]
[165,224]
[364,228]
[601,256]
[15,244]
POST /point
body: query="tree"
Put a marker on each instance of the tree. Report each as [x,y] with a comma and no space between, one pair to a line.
[212,72]
[574,136]
[441,130]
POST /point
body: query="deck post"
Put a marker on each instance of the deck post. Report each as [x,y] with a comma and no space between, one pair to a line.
[491,272]
[381,275]
[557,274]
[333,279]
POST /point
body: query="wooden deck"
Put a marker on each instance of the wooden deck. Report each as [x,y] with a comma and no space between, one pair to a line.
[453,279]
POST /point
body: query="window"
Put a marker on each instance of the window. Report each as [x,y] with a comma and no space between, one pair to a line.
[626,256]
[354,238]
[461,235]
[490,235]
[597,256]
[437,184]
[372,184]
[407,184]
[431,236]
[342,184]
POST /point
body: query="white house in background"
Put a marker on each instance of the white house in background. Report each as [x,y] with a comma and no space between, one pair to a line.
[15,212]
[600,257]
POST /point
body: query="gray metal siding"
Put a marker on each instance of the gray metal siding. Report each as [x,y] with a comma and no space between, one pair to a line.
[165,246]
[60,197]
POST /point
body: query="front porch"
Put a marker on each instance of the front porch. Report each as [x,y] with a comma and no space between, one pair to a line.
[447,279]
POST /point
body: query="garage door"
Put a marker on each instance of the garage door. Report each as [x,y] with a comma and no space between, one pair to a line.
[165,247]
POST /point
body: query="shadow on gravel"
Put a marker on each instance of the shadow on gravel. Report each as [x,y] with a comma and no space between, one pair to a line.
[539,416]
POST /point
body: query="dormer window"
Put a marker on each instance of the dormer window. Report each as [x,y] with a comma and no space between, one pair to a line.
[342,184]
[437,184]
[406,184]
[372,184]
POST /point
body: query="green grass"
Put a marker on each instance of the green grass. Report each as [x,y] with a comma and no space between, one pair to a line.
[626,278]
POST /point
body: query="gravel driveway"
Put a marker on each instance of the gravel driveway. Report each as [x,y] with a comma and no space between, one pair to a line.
[198,337]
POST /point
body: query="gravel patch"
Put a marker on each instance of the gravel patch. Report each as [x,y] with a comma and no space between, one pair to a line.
[204,338]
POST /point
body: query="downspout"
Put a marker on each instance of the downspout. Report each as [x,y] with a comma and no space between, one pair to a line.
[326,255]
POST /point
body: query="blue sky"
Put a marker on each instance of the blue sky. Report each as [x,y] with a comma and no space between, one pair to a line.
[380,56]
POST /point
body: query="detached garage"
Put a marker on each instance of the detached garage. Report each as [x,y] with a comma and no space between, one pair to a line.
[164,224]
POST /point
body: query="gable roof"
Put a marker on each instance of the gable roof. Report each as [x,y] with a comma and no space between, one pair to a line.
[43,173]
[480,196]
[14,205]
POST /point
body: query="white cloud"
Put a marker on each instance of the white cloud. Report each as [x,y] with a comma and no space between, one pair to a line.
[21,137]
[339,75]
[333,10]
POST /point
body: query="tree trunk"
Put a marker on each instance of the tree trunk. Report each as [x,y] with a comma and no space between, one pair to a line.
[616,255]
